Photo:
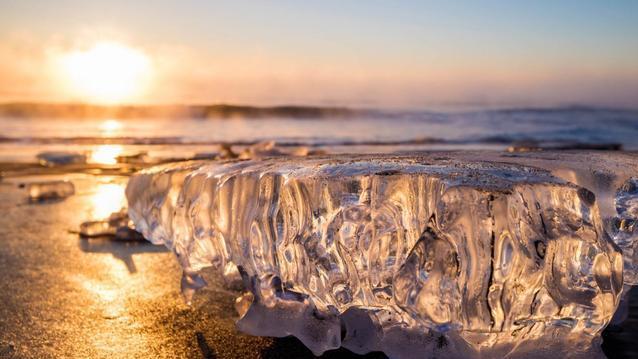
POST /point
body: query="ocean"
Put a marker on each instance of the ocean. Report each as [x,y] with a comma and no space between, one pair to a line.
[21,139]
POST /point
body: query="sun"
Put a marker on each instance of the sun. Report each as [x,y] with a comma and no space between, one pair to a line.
[108,72]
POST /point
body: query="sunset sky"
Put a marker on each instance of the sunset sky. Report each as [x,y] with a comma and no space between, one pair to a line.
[359,53]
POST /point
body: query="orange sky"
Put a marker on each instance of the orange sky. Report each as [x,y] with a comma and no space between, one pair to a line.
[363,59]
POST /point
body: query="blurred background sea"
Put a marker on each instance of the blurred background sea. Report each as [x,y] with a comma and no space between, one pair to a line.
[104,138]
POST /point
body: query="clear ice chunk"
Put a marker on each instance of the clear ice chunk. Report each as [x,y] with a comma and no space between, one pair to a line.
[412,255]
[90,229]
[58,158]
[270,149]
[134,158]
[116,226]
[50,190]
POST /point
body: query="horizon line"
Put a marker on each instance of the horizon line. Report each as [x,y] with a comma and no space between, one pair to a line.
[451,106]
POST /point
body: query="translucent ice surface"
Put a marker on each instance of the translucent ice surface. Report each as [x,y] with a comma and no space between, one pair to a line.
[624,229]
[412,255]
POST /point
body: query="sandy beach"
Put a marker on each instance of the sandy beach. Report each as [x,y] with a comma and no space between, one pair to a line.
[67,296]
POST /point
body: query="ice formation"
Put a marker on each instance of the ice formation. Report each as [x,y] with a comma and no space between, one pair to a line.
[412,255]
[50,190]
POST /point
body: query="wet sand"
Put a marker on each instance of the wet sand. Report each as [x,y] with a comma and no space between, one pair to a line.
[62,296]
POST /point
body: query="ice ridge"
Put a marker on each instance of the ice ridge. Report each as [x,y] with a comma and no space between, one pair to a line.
[412,255]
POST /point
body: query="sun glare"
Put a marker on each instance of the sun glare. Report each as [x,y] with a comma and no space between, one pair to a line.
[108,72]
[110,127]
[105,154]
[108,198]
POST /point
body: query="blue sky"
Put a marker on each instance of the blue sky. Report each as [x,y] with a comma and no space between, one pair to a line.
[390,53]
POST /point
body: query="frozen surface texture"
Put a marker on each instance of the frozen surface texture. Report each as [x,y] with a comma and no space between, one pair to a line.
[412,255]
[624,228]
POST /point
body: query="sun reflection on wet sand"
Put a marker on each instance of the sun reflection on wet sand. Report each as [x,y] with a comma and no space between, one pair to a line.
[107,198]
[105,154]
[99,290]
[109,293]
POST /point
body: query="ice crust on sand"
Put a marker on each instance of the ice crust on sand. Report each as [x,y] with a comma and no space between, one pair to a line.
[412,255]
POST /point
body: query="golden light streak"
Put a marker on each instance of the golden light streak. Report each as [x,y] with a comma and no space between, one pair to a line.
[108,198]
[105,154]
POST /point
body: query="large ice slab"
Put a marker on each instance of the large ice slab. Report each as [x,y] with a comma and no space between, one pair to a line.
[413,255]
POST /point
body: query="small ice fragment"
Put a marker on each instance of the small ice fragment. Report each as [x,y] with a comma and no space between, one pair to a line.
[91,229]
[524,146]
[117,219]
[115,226]
[50,190]
[300,151]
[59,158]
[136,158]
[270,149]
[261,149]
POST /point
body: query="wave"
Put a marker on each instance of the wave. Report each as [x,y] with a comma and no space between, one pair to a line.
[515,142]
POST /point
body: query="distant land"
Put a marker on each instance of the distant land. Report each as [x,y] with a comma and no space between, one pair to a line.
[212,111]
